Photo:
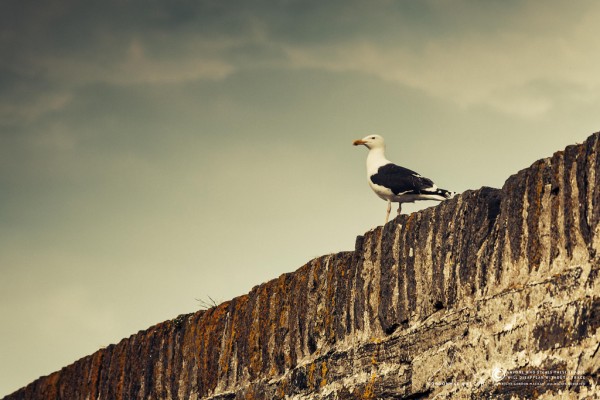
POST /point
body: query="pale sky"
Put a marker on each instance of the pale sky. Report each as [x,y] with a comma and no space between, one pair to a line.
[154,152]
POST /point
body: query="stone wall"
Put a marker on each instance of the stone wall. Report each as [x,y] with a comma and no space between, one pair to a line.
[493,294]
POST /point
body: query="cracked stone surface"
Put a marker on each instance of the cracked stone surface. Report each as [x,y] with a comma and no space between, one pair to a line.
[493,294]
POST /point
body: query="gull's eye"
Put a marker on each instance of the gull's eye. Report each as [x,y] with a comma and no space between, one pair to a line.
[373,137]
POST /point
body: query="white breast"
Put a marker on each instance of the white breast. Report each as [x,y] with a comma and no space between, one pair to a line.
[382,191]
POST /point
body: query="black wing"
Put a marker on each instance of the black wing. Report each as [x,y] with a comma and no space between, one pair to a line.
[400,180]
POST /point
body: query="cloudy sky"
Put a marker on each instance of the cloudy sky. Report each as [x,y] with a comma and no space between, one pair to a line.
[153,153]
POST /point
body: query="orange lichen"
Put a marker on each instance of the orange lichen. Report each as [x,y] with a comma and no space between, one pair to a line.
[369,392]
[311,375]
[323,374]
[282,389]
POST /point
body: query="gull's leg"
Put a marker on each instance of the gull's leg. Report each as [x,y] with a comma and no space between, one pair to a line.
[399,208]
[387,216]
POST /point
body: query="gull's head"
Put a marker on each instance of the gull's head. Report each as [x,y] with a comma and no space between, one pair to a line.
[370,142]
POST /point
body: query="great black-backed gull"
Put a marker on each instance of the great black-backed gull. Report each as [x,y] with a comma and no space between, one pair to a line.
[394,183]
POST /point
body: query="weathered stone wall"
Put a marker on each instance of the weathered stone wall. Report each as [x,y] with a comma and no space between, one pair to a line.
[431,305]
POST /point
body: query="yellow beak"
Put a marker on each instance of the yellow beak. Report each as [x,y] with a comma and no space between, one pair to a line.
[358,142]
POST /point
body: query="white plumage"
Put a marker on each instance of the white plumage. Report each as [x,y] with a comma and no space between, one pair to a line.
[394,183]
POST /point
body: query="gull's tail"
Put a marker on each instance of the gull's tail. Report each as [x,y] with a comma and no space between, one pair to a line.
[445,193]
[439,194]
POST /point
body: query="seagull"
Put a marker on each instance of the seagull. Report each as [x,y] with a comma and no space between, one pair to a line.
[394,183]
